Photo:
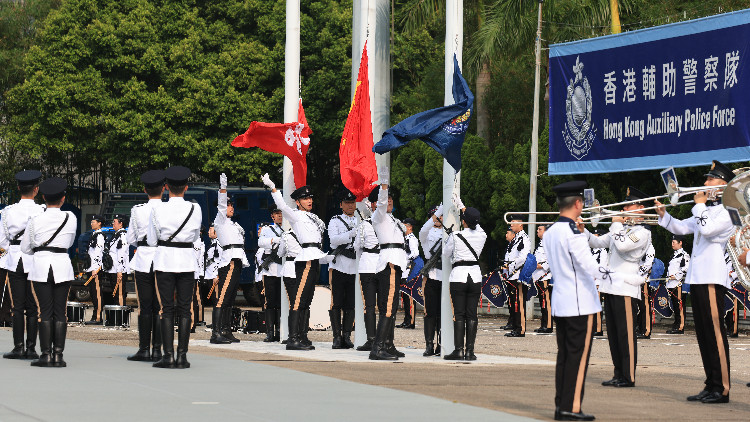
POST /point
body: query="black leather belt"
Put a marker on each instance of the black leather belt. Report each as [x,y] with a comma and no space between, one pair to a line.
[184,245]
[142,243]
[349,253]
[15,242]
[312,245]
[391,246]
[465,263]
[371,250]
[235,246]
[50,249]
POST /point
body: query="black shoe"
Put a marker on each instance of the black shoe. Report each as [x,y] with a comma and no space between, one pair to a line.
[181,362]
[471,336]
[227,333]
[16,353]
[459,333]
[155,338]
[700,396]
[335,317]
[403,325]
[183,339]
[167,338]
[304,327]
[597,334]
[92,322]
[623,384]
[429,350]
[141,356]
[365,347]
[611,382]
[30,354]
[562,415]
[294,342]
[61,330]
[507,327]
[217,331]
[715,397]
[144,339]
[379,349]
[643,336]
[733,335]
[392,350]
[45,345]
[32,328]
[515,334]
[748,384]
[347,327]
[675,331]
[270,321]
[457,354]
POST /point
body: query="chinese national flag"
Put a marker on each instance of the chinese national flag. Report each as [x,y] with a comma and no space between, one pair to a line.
[289,139]
[358,169]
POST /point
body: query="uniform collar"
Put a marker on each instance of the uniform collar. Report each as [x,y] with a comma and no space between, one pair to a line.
[565,219]
[26,201]
[679,251]
[154,200]
[177,199]
[58,210]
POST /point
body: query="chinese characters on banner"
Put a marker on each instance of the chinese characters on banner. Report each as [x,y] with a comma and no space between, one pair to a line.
[654,98]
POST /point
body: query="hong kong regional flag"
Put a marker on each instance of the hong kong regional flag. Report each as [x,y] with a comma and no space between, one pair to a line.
[358,169]
[289,139]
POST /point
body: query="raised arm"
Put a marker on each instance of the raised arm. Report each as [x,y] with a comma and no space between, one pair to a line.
[709,226]
[221,203]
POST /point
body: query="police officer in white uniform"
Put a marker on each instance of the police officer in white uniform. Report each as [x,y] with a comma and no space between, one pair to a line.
[94,270]
[431,238]
[517,258]
[342,230]
[463,249]
[149,327]
[510,237]
[309,229]
[119,252]
[14,219]
[175,225]
[541,278]
[575,300]
[270,240]
[391,264]
[48,237]
[602,258]
[711,227]
[231,237]
[627,245]
[676,272]
[196,307]
[645,310]
[367,243]
[412,252]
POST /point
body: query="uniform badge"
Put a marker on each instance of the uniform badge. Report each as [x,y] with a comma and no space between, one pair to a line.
[574,228]
[495,290]
[663,302]
[633,237]
[579,132]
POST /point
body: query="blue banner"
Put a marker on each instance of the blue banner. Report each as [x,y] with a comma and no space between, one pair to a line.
[673,95]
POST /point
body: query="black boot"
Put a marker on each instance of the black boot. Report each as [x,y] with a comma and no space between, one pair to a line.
[389,343]
[61,331]
[18,324]
[167,337]
[45,345]
[144,339]
[347,328]
[226,326]
[156,338]
[471,336]
[304,327]
[370,328]
[277,327]
[438,338]
[183,338]
[429,336]
[270,321]
[335,315]
[294,342]
[217,319]
[31,333]
[459,330]
[379,346]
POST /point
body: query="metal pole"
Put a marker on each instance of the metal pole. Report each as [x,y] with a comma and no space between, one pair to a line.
[454,29]
[535,143]
[291,108]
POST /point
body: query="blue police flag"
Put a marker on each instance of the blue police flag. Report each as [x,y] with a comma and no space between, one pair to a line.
[442,128]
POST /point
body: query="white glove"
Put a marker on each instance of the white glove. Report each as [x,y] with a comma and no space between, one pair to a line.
[439,211]
[383,175]
[352,233]
[223,181]
[457,201]
[267,181]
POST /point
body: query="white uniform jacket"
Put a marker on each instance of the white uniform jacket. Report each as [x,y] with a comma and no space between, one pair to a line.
[14,219]
[269,240]
[677,268]
[342,229]
[367,242]
[140,219]
[465,263]
[213,257]
[119,251]
[712,228]
[647,261]
[412,252]
[289,248]
[390,231]
[230,234]
[627,245]
[307,226]
[40,229]
[199,249]
[517,254]
[541,274]
[431,238]
[165,220]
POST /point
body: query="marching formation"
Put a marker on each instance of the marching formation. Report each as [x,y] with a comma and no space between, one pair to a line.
[582,278]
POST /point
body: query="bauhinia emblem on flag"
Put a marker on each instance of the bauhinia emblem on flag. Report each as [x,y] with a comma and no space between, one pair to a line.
[289,139]
[357,161]
[444,128]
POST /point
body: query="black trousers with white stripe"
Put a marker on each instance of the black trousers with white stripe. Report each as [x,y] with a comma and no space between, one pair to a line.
[620,313]
[708,303]
[574,335]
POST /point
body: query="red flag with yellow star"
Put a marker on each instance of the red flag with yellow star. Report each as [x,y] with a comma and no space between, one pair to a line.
[358,168]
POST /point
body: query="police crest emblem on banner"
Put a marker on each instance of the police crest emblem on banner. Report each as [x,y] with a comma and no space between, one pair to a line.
[579,132]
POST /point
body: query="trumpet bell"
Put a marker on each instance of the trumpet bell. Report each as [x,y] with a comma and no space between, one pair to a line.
[737,194]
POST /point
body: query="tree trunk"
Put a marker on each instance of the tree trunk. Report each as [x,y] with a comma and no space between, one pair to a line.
[483,115]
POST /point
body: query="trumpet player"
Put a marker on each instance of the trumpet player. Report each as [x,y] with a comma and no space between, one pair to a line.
[627,244]
[712,227]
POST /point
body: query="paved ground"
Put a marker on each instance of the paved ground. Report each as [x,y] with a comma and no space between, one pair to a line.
[513,375]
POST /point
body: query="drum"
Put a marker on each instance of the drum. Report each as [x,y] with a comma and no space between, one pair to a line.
[321,303]
[75,312]
[117,316]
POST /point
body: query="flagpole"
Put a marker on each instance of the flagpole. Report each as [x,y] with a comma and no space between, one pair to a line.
[535,145]
[291,109]
[454,29]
